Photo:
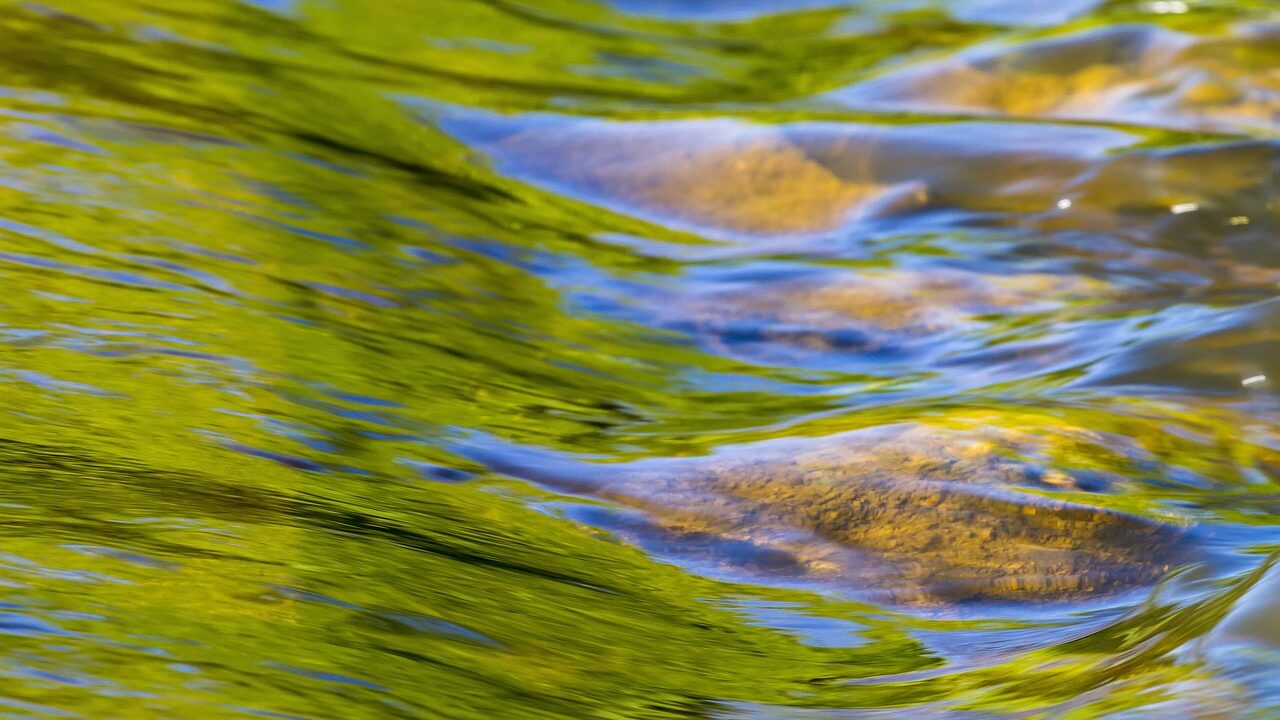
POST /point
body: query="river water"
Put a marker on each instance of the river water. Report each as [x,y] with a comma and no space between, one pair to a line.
[639,359]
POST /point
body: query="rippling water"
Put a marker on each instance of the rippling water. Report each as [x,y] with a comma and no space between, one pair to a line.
[626,359]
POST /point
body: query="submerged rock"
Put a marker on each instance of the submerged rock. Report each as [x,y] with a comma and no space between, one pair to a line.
[731,179]
[734,180]
[719,175]
[915,513]
[878,311]
[1139,74]
[1218,203]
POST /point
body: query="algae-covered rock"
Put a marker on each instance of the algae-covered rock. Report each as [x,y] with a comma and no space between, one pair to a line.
[1140,74]
[926,516]
[912,513]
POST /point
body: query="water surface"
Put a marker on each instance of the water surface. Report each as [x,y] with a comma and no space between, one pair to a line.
[490,358]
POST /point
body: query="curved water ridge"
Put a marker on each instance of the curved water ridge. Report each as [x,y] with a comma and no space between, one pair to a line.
[638,359]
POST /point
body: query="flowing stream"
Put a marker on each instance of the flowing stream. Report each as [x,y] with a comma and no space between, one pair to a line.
[721,359]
